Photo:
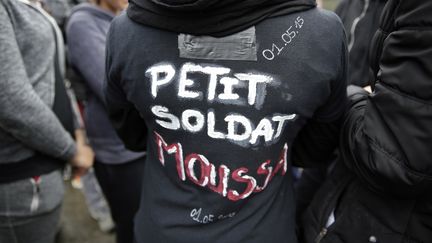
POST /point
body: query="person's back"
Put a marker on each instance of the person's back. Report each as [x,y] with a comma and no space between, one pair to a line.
[221,116]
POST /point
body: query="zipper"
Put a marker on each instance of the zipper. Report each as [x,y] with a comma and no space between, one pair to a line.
[36,181]
[57,32]
[59,57]
[321,235]
[327,219]
[355,23]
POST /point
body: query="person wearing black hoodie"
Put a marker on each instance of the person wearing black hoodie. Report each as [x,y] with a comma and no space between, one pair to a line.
[225,96]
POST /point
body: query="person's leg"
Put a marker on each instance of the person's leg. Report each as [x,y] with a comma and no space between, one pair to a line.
[96,203]
[6,231]
[122,185]
[35,229]
[30,211]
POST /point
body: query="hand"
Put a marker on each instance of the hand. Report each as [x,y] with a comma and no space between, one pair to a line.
[84,156]
[368,89]
[355,94]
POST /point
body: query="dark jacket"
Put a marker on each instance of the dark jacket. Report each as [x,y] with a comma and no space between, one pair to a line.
[222,118]
[381,193]
[86,31]
[361,20]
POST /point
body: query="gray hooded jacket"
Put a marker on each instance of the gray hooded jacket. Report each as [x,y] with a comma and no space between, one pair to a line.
[27,123]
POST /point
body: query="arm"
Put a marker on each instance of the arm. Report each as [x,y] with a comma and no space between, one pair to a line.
[22,113]
[125,118]
[87,52]
[387,136]
[316,142]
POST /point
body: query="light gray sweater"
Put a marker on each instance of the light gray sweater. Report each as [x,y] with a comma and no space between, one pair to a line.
[27,123]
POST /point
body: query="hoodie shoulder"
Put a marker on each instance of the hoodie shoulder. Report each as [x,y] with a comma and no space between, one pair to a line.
[124,26]
[327,19]
[315,24]
[81,12]
[329,16]
[122,20]
[87,10]
[325,25]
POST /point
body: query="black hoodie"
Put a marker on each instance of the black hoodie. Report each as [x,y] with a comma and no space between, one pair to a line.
[221,119]
[211,17]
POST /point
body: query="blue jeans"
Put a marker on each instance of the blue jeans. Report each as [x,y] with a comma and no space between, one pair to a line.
[29,211]
[96,203]
[34,229]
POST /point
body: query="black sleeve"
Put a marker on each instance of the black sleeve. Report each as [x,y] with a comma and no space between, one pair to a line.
[317,140]
[315,144]
[387,136]
[125,118]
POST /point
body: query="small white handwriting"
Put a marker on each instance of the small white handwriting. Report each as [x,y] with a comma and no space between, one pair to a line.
[197,215]
[287,37]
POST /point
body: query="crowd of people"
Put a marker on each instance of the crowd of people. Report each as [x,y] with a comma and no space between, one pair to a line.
[194,115]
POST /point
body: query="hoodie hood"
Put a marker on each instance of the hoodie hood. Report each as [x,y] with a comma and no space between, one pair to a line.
[185,5]
[93,10]
[210,17]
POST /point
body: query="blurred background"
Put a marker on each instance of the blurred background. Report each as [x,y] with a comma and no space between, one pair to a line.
[330,4]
